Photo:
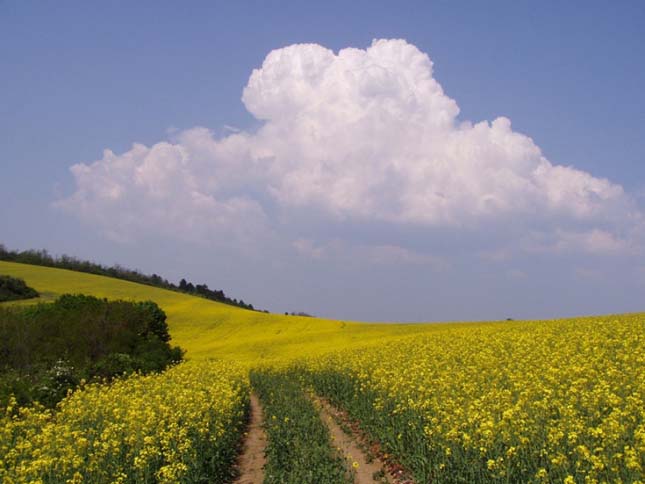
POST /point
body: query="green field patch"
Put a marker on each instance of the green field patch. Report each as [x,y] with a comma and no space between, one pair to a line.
[299,448]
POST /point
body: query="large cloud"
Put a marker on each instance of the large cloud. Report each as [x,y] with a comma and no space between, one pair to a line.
[362,136]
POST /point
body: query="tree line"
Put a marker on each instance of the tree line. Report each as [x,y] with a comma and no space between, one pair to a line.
[43,258]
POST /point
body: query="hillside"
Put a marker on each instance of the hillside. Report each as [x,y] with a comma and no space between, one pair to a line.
[514,401]
[207,329]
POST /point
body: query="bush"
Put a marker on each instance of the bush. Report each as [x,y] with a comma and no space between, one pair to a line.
[114,364]
[13,289]
[47,349]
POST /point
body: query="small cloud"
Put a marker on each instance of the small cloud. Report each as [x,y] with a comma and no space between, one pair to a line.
[496,255]
[597,241]
[393,254]
[594,241]
[371,254]
[308,248]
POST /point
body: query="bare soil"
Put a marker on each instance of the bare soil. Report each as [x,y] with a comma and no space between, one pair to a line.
[252,460]
[368,468]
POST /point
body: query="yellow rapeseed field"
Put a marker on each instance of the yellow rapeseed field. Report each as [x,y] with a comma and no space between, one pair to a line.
[178,426]
[560,401]
[207,329]
[522,401]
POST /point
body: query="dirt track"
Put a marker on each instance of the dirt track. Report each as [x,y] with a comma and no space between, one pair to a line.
[252,460]
[365,469]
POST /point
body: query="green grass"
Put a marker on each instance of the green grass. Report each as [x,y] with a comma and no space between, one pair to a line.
[299,448]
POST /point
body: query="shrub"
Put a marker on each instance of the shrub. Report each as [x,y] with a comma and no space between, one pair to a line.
[47,349]
[13,289]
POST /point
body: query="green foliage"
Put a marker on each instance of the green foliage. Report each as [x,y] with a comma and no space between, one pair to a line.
[156,320]
[13,289]
[47,349]
[396,429]
[299,449]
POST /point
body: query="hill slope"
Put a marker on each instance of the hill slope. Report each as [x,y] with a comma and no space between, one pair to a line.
[210,329]
[513,401]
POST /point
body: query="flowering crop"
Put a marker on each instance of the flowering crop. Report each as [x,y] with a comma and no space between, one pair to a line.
[551,401]
[179,426]
[559,401]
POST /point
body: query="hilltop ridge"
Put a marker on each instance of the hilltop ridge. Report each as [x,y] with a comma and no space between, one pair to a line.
[45,259]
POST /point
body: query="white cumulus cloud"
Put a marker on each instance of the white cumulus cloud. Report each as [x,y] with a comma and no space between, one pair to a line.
[362,135]
[159,190]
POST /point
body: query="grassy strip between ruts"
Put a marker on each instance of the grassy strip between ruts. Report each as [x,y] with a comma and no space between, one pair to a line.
[299,447]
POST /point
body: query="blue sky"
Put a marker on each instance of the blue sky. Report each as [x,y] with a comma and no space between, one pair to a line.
[77,78]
